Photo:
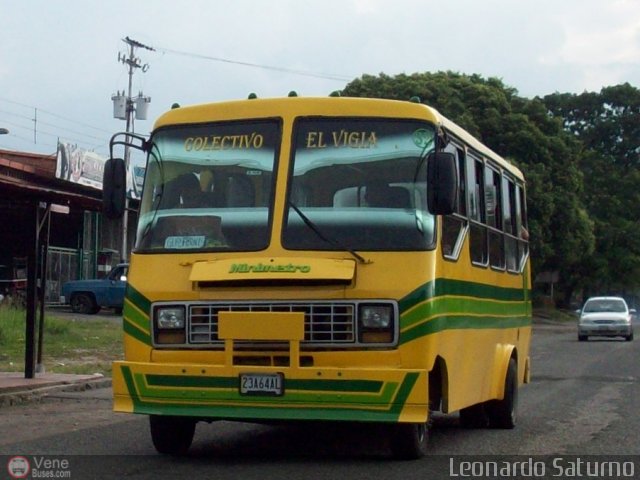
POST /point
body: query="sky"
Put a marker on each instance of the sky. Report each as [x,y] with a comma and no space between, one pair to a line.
[59,62]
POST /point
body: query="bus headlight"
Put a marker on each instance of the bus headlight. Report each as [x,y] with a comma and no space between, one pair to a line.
[172,317]
[170,324]
[375,316]
[376,323]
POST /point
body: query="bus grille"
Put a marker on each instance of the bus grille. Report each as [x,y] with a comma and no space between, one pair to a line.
[324,323]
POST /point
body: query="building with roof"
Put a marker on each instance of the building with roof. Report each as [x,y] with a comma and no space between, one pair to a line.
[56,217]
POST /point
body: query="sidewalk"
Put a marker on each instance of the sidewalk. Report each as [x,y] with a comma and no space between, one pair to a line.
[15,388]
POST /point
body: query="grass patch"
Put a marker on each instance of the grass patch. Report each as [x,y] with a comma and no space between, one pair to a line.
[81,346]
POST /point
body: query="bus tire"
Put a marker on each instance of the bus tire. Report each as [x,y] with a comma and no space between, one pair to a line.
[171,435]
[502,413]
[409,441]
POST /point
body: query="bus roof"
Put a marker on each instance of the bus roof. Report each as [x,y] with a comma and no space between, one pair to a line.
[327,106]
[476,144]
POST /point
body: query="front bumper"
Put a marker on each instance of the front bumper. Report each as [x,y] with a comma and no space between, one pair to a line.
[605,330]
[211,389]
[212,392]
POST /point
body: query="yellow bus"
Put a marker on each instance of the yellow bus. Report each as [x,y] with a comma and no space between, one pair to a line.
[328,259]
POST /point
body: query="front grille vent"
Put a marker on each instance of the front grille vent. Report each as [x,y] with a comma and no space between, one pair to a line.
[324,323]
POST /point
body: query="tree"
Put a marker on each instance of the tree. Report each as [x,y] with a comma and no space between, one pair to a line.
[608,126]
[522,131]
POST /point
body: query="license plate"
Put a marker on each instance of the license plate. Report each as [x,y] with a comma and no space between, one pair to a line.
[262,384]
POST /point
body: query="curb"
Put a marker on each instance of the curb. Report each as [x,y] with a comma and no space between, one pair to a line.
[19,396]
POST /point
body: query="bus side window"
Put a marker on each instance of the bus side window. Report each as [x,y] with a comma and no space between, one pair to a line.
[494,218]
[454,225]
[478,233]
[522,226]
[510,226]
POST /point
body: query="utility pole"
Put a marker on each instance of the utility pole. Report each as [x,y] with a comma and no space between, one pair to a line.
[133,64]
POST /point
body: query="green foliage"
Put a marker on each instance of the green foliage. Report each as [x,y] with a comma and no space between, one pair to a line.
[520,129]
[608,126]
[70,345]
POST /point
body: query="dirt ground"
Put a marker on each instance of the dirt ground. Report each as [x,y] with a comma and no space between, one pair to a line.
[65,312]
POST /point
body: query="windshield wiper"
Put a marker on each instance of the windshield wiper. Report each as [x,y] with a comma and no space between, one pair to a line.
[314,228]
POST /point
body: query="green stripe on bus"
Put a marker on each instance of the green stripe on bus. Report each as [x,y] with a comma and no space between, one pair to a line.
[231,394]
[180,381]
[461,306]
[443,286]
[137,308]
[131,386]
[312,405]
[347,414]
[454,304]
[138,299]
[133,330]
[135,316]
[361,386]
[403,392]
[450,322]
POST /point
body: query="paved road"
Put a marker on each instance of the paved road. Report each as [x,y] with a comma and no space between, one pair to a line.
[583,400]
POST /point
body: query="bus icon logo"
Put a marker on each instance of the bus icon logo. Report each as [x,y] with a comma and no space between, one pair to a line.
[18,467]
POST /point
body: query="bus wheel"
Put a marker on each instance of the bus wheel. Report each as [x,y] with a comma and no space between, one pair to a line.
[502,413]
[409,440]
[171,435]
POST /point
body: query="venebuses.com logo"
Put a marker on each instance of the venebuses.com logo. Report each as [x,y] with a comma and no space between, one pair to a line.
[18,467]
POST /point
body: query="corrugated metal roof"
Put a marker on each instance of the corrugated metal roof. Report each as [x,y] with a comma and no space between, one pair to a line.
[32,176]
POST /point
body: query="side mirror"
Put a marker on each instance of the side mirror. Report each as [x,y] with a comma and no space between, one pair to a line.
[442,183]
[114,188]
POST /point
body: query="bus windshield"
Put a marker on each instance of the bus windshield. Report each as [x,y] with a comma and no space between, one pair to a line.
[359,184]
[209,187]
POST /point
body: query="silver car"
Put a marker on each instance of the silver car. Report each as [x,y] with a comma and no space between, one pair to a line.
[605,316]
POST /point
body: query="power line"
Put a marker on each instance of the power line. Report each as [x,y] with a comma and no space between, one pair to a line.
[40,110]
[101,147]
[40,122]
[328,76]
[33,123]
[37,121]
